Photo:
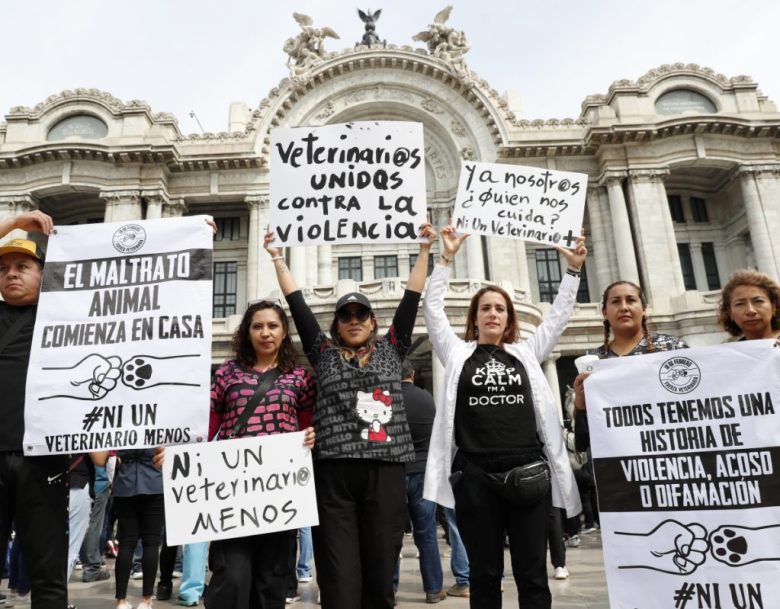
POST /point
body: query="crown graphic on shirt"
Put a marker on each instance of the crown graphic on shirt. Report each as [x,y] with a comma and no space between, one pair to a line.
[495,367]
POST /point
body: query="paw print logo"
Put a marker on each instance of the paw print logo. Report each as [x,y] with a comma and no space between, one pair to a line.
[137,372]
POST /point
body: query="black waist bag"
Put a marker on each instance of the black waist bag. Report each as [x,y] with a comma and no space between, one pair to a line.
[521,485]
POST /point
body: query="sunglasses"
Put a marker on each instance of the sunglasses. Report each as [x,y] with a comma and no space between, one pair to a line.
[345,316]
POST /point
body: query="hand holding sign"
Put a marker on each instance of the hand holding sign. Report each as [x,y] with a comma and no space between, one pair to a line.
[576,257]
[451,241]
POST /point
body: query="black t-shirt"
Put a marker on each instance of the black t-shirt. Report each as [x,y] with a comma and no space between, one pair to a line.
[14,361]
[494,411]
[420,412]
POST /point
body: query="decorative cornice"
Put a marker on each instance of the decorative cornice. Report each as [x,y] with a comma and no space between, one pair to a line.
[118,197]
[19,202]
[760,170]
[648,175]
[113,104]
[648,80]
[682,125]
[66,151]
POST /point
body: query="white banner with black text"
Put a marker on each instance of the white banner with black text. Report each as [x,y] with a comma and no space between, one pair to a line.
[121,353]
[238,488]
[684,449]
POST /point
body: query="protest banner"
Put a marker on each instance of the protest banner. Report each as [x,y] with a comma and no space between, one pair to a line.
[121,352]
[237,488]
[526,203]
[685,445]
[347,183]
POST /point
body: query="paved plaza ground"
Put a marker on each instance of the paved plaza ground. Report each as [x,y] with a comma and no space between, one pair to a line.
[585,588]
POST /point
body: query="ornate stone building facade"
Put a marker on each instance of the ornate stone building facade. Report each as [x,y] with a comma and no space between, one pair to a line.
[683,166]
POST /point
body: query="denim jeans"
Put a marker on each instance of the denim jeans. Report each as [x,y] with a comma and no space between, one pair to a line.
[459,560]
[304,553]
[91,550]
[423,515]
[79,510]
[194,574]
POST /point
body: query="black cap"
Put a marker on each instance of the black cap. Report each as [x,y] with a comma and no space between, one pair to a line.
[353,297]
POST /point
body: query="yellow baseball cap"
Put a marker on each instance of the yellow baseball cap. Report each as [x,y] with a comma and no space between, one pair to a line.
[23,246]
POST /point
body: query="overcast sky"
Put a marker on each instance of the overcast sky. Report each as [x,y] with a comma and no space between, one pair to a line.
[182,55]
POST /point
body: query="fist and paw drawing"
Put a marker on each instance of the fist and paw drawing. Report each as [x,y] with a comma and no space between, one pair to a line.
[679,549]
[95,376]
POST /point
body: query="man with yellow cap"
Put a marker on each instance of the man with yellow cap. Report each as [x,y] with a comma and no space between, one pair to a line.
[32,489]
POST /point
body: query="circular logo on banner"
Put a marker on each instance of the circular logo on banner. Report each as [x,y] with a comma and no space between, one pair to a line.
[679,375]
[129,238]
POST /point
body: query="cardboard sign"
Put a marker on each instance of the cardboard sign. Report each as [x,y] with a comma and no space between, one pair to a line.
[237,488]
[525,203]
[685,450]
[348,183]
[121,353]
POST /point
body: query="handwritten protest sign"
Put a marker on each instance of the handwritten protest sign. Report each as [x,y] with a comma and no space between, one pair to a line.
[121,352]
[236,488]
[526,203]
[347,183]
[685,447]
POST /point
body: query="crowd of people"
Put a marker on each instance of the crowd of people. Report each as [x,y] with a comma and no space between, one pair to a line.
[491,451]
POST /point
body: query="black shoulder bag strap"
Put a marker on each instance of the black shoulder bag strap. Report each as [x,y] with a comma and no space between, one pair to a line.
[14,329]
[263,386]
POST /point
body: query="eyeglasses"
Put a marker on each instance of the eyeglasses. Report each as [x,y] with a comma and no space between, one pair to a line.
[345,316]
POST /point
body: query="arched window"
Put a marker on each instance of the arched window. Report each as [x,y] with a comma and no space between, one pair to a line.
[684,100]
[84,126]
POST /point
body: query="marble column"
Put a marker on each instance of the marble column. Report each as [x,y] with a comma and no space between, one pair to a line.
[520,260]
[699,272]
[762,217]
[656,241]
[600,269]
[475,263]
[312,265]
[259,263]
[155,201]
[551,374]
[13,205]
[325,265]
[621,229]
[122,205]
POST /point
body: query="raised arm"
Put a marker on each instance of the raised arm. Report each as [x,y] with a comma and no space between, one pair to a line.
[443,337]
[419,271]
[544,339]
[32,221]
[283,275]
[305,321]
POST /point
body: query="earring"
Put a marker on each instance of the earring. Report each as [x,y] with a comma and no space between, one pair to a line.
[476,331]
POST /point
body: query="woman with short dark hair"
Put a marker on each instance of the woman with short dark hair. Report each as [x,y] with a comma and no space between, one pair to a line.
[750,306]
